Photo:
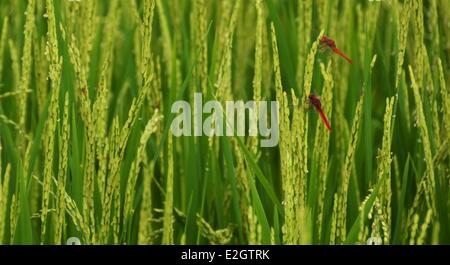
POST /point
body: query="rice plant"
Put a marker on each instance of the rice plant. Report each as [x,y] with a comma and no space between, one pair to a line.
[87,148]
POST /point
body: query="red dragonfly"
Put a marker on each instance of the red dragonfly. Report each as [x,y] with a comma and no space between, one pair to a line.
[315,101]
[326,42]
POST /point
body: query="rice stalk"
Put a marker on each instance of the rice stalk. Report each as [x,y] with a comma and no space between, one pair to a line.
[13,217]
[166,37]
[41,71]
[424,227]
[323,6]
[296,212]
[15,67]
[150,128]
[285,157]
[86,114]
[363,230]
[430,177]
[414,229]
[223,81]
[215,237]
[110,186]
[27,61]
[402,37]
[334,220]
[431,94]
[88,23]
[372,21]
[341,217]
[4,188]
[100,107]
[167,237]
[434,30]
[77,218]
[322,143]
[62,173]
[285,149]
[310,66]
[118,151]
[299,145]
[7,121]
[145,215]
[13,93]
[384,160]
[49,144]
[245,43]
[304,28]
[257,77]
[201,43]
[419,45]
[445,96]
[3,39]
[151,71]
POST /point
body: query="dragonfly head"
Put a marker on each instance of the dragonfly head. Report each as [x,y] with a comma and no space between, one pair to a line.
[314,100]
[327,41]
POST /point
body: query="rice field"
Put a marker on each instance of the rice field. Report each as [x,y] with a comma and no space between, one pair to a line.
[87,150]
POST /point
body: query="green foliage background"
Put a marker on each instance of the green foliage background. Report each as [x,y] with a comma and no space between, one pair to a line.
[86,89]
